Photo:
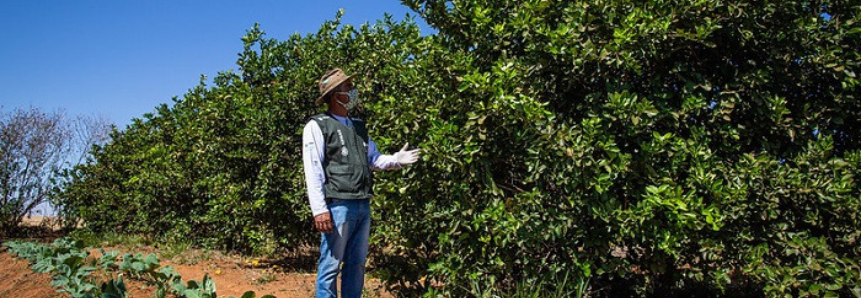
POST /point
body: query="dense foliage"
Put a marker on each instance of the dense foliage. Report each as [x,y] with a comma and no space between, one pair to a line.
[652,147]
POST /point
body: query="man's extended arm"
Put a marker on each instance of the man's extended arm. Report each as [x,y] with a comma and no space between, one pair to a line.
[379,161]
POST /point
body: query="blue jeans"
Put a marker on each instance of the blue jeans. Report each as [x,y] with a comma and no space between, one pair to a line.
[347,244]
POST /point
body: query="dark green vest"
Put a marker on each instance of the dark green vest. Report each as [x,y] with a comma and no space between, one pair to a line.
[348,175]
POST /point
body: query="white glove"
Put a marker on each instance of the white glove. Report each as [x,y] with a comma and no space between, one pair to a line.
[407,157]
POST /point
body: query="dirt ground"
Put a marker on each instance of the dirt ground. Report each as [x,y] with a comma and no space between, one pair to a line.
[17,280]
[232,275]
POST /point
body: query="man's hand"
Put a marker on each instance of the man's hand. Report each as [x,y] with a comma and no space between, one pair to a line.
[407,157]
[323,222]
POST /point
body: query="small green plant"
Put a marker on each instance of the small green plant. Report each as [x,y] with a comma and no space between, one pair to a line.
[195,289]
[114,288]
[108,260]
[139,266]
[74,280]
[66,261]
[146,268]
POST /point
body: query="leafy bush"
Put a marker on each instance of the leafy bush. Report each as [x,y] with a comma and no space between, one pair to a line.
[221,163]
[653,148]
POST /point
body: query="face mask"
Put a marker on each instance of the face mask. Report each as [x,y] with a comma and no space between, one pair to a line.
[353,95]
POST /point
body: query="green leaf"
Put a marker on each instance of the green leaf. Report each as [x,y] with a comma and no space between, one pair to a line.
[192,293]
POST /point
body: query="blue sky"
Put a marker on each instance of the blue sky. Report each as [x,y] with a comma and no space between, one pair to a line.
[120,59]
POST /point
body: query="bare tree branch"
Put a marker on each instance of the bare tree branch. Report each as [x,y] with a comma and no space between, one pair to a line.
[35,148]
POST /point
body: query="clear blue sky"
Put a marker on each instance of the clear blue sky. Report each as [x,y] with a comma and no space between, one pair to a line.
[120,59]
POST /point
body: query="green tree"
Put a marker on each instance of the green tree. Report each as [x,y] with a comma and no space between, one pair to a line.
[651,148]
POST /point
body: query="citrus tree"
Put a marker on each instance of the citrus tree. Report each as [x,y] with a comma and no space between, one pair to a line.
[646,148]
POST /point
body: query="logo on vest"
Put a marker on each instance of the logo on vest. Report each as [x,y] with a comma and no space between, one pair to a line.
[341,136]
[344,151]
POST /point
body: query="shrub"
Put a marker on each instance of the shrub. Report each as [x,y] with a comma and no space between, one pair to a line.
[652,148]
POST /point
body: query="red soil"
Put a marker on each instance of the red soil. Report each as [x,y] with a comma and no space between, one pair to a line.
[17,280]
[232,275]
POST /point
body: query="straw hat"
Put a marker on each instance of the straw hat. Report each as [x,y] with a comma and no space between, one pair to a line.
[330,81]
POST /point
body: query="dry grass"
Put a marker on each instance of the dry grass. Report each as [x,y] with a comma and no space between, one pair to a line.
[50,222]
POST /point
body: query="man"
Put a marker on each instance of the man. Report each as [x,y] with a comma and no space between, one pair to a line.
[338,158]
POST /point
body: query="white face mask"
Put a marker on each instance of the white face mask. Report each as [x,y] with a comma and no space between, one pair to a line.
[353,95]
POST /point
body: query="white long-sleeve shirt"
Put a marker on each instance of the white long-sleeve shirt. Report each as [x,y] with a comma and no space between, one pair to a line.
[313,155]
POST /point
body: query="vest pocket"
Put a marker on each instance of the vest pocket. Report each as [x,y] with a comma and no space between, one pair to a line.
[344,178]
